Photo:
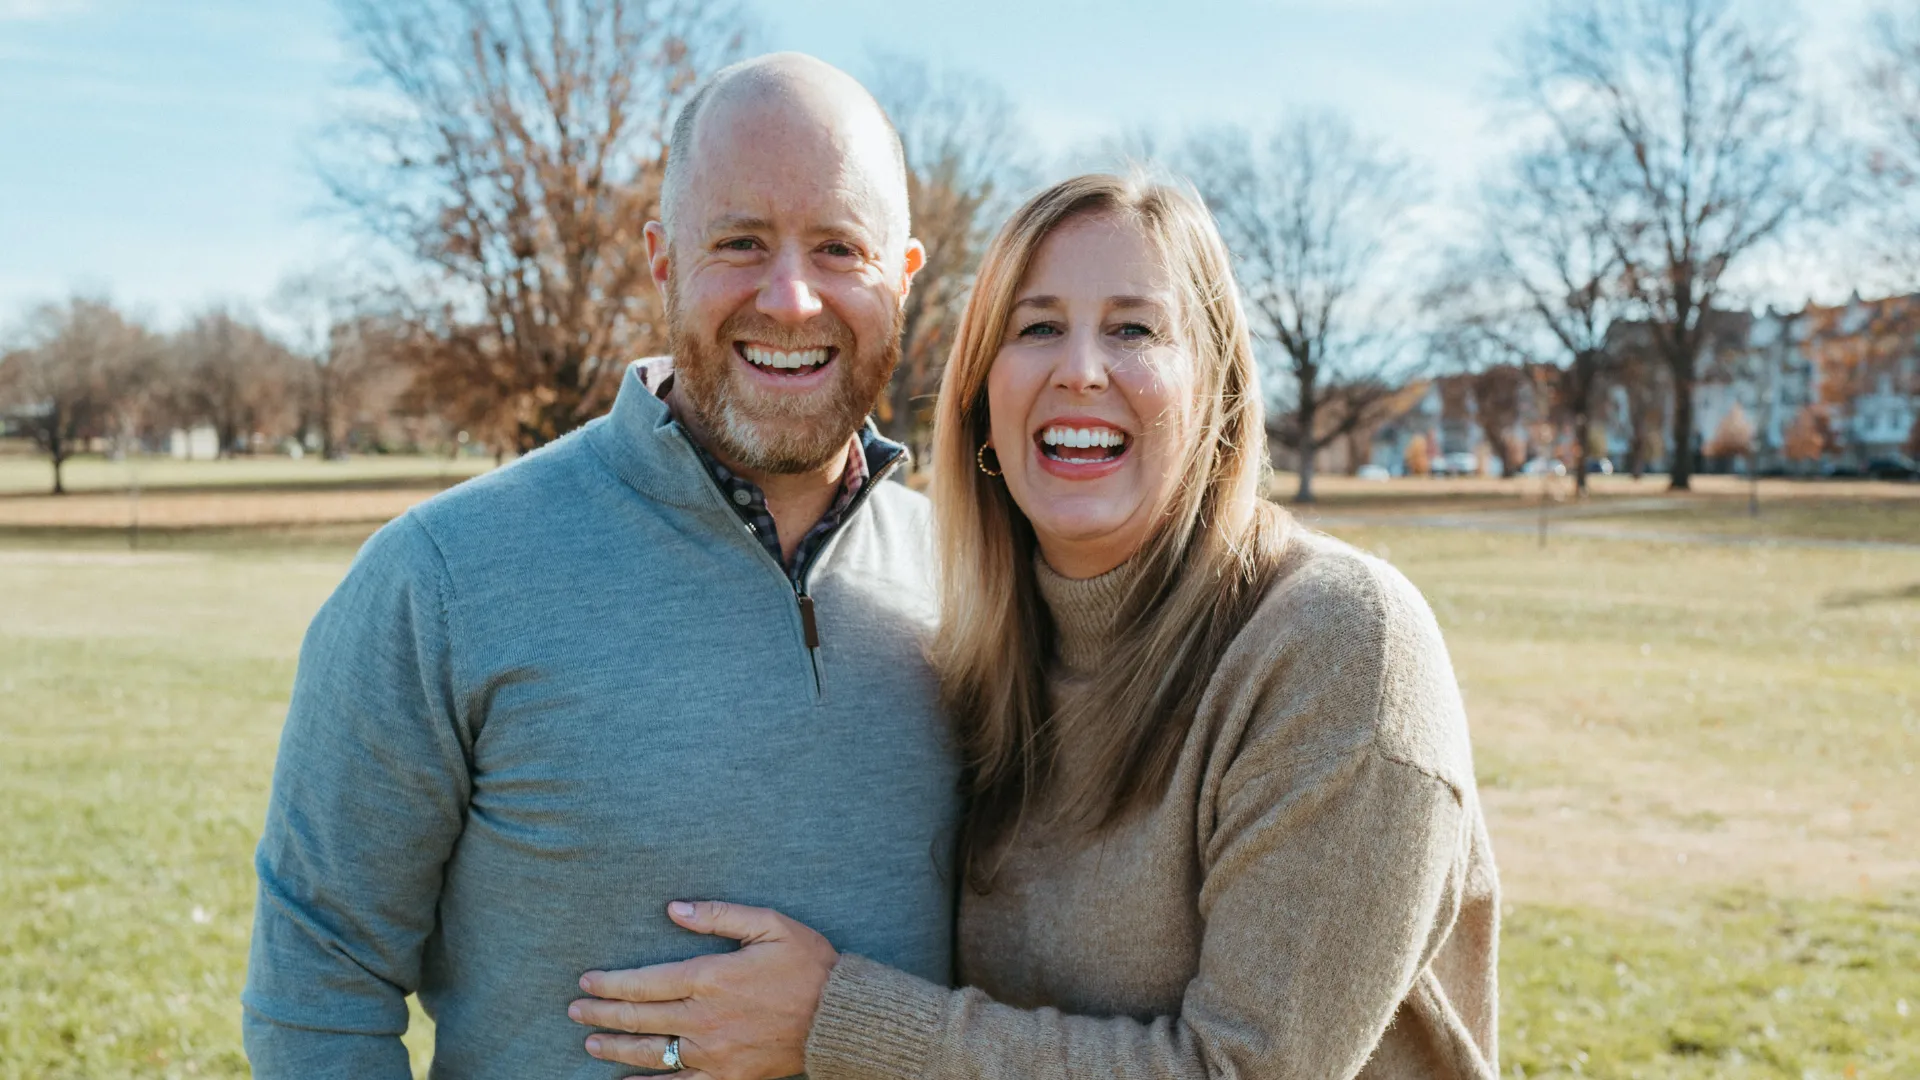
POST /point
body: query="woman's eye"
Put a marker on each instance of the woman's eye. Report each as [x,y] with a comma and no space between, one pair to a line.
[1134,330]
[1039,329]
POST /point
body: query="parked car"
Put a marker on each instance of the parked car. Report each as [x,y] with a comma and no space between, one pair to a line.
[1893,467]
[1543,467]
[1372,472]
[1457,464]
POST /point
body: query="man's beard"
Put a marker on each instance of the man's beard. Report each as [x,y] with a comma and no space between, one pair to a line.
[778,433]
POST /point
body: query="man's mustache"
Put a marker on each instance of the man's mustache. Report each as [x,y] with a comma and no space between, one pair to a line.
[825,330]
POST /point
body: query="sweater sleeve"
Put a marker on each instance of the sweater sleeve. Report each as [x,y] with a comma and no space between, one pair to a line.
[369,795]
[1331,875]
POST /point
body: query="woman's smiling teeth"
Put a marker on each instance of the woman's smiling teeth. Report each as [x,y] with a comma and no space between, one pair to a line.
[778,360]
[1082,444]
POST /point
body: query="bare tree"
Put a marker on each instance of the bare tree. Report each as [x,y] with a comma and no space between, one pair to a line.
[1496,392]
[516,159]
[67,382]
[965,160]
[228,373]
[1548,284]
[1709,150]
[1309,215]
[1643,379]
[344,340]
[1890,90]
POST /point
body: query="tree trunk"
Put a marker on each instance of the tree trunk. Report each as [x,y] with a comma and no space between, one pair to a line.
[57,449]
[326,412]
[1581,423]
[1680,474]
[1308,448]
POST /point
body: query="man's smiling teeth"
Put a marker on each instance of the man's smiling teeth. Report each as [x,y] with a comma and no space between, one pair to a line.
[1082,438]
[784,361]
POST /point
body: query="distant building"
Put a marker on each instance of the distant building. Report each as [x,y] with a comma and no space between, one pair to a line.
[200,443]
[1855,365]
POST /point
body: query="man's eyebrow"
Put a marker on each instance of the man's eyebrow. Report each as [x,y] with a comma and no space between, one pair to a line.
[732,222]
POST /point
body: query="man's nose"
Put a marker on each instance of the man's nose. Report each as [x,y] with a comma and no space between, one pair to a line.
[787,295]
[1083,367]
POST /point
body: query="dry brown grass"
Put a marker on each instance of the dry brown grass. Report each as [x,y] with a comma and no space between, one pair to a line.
[1653,720]
[208,510]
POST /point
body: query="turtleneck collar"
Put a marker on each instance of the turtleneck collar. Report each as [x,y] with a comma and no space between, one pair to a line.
[1083,611]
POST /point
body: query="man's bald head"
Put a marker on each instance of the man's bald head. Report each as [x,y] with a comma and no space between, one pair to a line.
[809,92]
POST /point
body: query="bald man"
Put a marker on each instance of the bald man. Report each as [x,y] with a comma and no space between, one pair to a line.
[674,655]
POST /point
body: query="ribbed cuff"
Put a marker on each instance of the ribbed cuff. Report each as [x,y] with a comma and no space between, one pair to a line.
[874,1023]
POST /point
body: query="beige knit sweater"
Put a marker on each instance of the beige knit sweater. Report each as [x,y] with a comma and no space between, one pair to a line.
[1315,895]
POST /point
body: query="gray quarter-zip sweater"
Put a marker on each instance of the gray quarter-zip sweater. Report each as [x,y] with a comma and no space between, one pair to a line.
[546,703]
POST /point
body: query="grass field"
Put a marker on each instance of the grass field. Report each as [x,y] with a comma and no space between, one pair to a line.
[1699,765]
[26,474]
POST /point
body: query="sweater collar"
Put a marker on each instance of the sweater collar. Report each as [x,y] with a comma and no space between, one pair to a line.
[1084,610]
[642,442]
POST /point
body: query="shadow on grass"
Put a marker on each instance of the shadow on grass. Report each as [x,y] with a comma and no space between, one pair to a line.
[1864,597]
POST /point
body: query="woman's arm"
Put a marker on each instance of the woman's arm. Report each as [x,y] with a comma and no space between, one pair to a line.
[1324,903]
[1321,912]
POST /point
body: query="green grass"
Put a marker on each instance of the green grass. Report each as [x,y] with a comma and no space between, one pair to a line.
[1623,695]
[1739,985]
[139,708]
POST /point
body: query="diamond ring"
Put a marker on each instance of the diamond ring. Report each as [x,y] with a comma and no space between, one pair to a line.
[671,1059]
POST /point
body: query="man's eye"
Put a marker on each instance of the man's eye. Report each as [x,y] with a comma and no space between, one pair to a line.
[739,243]
[840,251]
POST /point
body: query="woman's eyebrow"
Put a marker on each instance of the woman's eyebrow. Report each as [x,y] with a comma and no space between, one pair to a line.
[1037,301]
[1120,302]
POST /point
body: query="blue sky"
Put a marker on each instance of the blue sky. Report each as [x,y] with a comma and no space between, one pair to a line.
[156,150]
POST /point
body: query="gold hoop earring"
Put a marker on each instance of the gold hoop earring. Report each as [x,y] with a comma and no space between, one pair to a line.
[980,459]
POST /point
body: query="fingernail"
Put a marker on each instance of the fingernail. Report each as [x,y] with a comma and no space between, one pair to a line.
[681,908]
[586,981]
[593,1047]
[573,1012]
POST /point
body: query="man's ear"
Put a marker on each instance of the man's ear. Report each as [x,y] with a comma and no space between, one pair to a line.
[916,258]
[659,261]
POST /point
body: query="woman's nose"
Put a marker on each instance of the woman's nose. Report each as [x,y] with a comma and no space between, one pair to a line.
[1082,368]
[787,295]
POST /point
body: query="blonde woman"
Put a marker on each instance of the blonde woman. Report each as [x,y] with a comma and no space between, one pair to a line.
[1223,820]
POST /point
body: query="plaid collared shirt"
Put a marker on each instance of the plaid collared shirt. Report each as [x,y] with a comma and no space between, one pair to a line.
[866,456]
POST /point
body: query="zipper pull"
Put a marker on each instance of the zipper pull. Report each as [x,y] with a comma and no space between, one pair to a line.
[806,621]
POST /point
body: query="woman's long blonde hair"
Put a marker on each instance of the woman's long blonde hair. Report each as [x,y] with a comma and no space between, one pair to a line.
[1197,579]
